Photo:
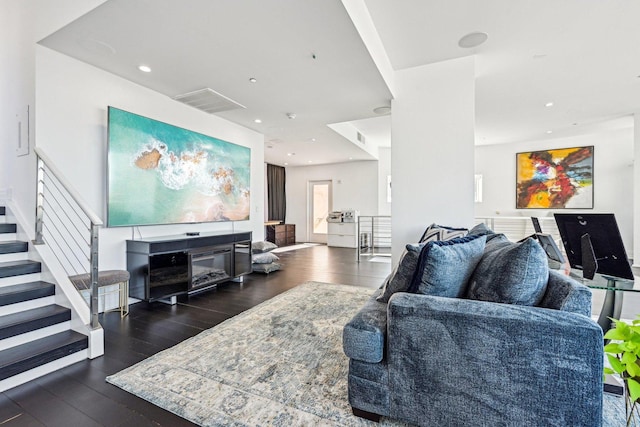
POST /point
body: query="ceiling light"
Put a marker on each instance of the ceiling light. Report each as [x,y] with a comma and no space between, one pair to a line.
[310,161]
[291,154]
[291,115]
[258,121]
[385,109]
[313,140]
[474,39]
[253,80]
[549,104]
[286,164]
[350,158]
[549,131]
[144,68]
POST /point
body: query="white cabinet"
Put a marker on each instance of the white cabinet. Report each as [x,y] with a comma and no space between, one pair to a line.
[342,234]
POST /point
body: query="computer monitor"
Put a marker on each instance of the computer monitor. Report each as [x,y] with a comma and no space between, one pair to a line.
[607,255]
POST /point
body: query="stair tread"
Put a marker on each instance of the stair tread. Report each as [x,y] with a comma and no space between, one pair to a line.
[13,246]
[8,228]
[16,268]
[25,291]
[35,318]
[26,356]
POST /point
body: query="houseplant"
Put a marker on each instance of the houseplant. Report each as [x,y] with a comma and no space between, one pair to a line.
[623,352]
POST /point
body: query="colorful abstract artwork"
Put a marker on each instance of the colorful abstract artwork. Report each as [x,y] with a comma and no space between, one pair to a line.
[555,179]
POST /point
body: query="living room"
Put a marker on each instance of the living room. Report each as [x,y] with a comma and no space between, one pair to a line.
[68,98]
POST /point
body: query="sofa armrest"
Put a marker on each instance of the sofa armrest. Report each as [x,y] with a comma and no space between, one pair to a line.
[363,338]
[454,361]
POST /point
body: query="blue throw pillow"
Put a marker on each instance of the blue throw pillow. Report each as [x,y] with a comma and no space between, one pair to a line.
[444,267]
[400,278]
[511,273]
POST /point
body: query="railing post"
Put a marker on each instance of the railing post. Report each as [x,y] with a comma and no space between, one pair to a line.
[39,201]
[93,306]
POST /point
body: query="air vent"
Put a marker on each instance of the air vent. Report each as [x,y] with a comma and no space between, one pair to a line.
[208,100]
[361,138]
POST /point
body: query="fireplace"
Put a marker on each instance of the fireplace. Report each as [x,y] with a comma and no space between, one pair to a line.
[209,266]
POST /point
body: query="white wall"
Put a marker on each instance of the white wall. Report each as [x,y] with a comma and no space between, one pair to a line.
[636,190]
[355,185]
[432,134]
[384,170]
[22,24]
[613,177]
[71,125]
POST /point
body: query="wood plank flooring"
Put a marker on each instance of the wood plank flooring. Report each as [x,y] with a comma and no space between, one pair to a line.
[79,396]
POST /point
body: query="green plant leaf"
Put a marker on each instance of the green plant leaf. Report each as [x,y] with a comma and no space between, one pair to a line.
[629,358]
[612,347]
[607,370]
[614,334]
[615,364]
[633,369]
[634,389]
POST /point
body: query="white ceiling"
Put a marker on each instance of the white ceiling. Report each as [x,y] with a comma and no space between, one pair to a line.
[580,55]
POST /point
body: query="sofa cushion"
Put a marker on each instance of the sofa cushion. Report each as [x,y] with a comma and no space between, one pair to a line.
[511,273]
[444,267]
[400,279]
[436,232]
[364,336]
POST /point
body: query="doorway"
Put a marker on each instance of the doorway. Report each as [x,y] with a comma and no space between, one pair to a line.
[320,198]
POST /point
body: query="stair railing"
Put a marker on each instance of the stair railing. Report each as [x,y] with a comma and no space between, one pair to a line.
[73,227]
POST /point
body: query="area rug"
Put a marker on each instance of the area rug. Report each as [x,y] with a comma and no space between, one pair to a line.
[277,364]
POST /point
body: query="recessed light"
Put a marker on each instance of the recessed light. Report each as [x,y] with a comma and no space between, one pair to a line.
[350,158]
[549,104]
[474,39]
[258,121]
[291,154]
[253,80]
[291,115]
[313,140]
[310,161]
[385,109]
[549,131]
[144,68]
[286,164]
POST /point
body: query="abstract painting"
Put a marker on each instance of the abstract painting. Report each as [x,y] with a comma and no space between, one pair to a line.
[555,179]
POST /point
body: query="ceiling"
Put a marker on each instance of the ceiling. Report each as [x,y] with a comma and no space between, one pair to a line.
[308,59]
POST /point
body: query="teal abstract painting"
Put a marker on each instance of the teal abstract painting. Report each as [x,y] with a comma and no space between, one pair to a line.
[163,174]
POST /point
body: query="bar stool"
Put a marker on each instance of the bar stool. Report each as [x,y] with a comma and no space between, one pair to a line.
[82,282]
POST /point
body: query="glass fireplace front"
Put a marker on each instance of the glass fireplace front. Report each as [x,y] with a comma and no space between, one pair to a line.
[209,266]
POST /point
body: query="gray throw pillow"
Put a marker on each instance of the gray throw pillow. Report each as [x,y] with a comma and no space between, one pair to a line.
[436,232]
[480,229]
[400,278]
[266,268]
[264,258]
[260,247]
[511,273]
[444,267]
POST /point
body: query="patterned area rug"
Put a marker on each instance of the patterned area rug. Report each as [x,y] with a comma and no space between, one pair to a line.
[278,364]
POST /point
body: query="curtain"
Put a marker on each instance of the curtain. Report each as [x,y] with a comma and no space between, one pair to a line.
[276,196]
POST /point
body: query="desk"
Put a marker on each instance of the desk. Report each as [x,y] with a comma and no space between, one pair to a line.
[614,294]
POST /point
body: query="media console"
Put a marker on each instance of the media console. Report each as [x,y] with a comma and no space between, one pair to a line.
[164,267]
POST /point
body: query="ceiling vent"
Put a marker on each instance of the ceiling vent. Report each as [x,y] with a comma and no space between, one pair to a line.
[208,100]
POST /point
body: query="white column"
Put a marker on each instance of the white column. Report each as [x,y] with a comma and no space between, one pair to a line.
[432,156]
[636,190]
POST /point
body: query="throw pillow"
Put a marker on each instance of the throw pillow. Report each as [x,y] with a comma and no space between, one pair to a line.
[481,230]
[436,232]
[400,278]
[511,273]
[266,268]
[264,258]
[444,267]
[260,247]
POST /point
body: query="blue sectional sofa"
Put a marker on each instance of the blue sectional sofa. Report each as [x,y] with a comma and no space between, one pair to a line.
[490,352]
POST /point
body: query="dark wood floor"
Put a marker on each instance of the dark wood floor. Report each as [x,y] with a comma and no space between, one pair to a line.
[79,396]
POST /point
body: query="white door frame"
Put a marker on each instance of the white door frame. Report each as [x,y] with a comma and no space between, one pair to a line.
[311,236]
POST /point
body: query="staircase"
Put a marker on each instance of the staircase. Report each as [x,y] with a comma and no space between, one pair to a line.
[35,333]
